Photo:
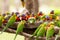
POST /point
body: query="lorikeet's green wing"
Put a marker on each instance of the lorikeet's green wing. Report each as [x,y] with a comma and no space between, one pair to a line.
[41,32]
[35,33]
[10,22]
[37,30]
[57,23]
[1,20]
[19,28]
[50,32]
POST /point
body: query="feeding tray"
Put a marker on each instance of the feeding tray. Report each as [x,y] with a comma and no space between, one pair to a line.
[27,25]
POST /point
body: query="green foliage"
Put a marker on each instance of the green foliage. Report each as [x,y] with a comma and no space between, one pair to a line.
[57,12]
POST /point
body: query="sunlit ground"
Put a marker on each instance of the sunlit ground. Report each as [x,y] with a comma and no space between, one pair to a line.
[10,36]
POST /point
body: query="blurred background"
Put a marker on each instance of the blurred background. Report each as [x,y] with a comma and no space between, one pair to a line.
[16,5]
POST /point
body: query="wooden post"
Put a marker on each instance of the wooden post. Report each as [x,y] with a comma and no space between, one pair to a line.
[32,6]
[35,6]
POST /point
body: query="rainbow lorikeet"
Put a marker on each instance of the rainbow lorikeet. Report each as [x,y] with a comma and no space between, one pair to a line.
[50,32]
[10,22]
[19,28]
